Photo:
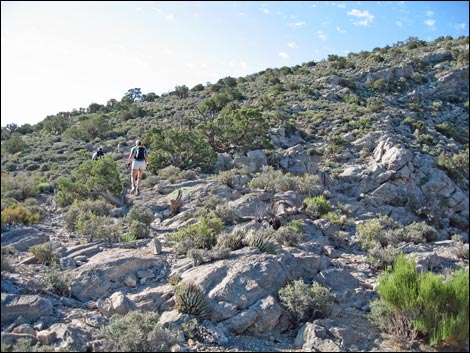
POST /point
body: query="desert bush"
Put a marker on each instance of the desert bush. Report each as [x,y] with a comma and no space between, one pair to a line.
[317,206]
[92,227]
[290,234]
[19,186]
[90,176]
[382,257]
[141,214]
[414,303]
[457,165]
[27,345]
[272,180]
[42,252]
[370,233]
[96,207]
[201,235]
[416,232]
[138,230]
[181,148]
[227,177]
[18,214]
[57,281]
[137,332]
[233,241]
[306,302]
[461,250]
[227,213]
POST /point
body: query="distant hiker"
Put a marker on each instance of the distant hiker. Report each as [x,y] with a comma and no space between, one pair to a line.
[98,154]
[139,158]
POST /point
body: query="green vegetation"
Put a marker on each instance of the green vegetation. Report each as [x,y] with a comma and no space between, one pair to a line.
[261,239]
[424,303]
[137,332]
[332,108]
[201,235]
[190,299]
[317,206]
[306,302]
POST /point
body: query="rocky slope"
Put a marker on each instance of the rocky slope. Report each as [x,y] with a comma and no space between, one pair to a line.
[388,172]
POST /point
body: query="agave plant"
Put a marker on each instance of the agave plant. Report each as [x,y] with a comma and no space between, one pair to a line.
[190,299]
[263,244]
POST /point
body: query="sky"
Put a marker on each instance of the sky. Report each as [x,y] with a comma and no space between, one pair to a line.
[60,56]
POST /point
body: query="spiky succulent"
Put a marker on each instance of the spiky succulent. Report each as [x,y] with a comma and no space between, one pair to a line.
[190,299]
[263,244]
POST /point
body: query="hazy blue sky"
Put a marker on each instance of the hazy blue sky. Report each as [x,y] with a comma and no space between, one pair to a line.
[60,56]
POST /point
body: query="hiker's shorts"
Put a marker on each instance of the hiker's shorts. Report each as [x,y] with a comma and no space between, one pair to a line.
[139,164]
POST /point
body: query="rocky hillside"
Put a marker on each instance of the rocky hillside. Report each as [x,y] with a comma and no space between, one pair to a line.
[271,236]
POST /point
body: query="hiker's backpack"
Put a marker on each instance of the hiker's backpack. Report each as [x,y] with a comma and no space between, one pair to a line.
[140,153]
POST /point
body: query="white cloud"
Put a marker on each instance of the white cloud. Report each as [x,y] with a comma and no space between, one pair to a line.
[430,23]
[266,11]
[460,26]
[338,28]
[429,13]
[167,16]
[365,16]
[283,55]
[399,23]
[321,35]
[341,5]
[292,45]
[298,24]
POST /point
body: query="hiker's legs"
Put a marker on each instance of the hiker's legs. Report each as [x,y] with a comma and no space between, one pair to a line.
[133,178]
[139,178]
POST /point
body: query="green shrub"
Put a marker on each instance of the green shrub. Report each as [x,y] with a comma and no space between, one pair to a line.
[227,213]
[137,332]
[42,252]
[141,214]
[18,214]
[290,234]
[424,303]
[190,299]
[19,187]
[276,181]
[181,148]
[201,235]
[96,207]
[369,234]
[382,257]
[233,241]
[306,302]
[57,281]
[317,206]
[45,187]
[92,227]
[27,345]
[138,230]
[414,232]
[272,180]
[457,165]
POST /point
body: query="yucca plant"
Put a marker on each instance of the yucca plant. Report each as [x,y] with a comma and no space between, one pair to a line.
[190,299]
[263,244]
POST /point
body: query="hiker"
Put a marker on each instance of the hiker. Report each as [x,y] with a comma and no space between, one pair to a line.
[139,157]
[98,154]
